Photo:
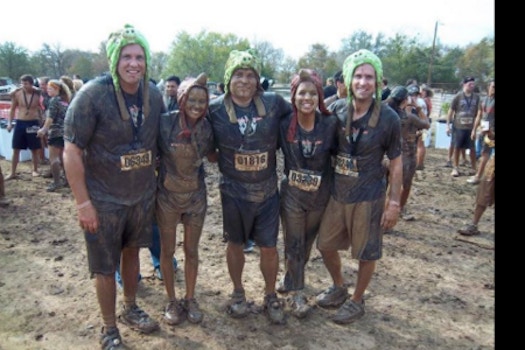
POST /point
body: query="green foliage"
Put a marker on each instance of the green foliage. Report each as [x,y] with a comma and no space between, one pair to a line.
[14,61]
[321,60]
[205,52]
[445,106]
[403,57]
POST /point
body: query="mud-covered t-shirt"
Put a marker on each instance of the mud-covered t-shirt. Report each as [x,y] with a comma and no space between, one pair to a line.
[247,149]
[181,152]
[465,110]
[359,174]
[307,163]
[339,107]
[119,158]
[57,111]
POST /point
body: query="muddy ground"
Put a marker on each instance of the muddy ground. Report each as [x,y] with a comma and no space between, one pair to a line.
[433,289]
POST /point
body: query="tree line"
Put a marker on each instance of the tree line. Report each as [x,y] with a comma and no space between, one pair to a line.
[403,58]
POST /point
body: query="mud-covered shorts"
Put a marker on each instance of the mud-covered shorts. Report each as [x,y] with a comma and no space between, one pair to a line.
[462,140]
[120,226]
[186,208]
[57,142]
[243,220]
[356,225]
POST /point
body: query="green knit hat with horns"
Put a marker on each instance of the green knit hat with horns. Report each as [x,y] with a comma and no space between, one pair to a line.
[355,60]
[116,41]
[248,59]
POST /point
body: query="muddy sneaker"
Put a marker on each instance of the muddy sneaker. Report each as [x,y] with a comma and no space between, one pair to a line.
[137,319]
[469,230]
[349,312]
[174,313]
[52,187]
[274,309]
[110,339]
[332,297]
[299,305]
[237,306]
[455,172]
[193,312]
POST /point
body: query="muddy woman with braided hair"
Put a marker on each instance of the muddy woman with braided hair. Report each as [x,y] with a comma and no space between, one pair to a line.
[185,138]
[111,132]
[308,139]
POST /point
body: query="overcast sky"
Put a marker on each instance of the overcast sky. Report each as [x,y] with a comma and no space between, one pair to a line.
[291,25]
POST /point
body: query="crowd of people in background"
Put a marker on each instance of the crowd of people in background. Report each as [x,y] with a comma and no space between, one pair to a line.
[133,156]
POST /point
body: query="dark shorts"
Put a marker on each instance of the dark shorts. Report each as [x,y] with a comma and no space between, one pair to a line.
[120,226]
[57,142]
[24,135]
[356,225]
[244,220]
[462,139]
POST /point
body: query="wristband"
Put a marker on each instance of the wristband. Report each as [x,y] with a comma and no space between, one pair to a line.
[83,205]
[396,203]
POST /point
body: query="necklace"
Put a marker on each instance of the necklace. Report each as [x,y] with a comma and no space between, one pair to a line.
[30,101]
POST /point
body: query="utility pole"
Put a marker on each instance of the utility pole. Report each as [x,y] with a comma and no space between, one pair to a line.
[429,77]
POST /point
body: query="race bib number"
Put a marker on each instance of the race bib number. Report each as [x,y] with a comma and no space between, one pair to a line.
[304,180]
[32,129]
[251,161]
[466,120]
[345,166]
[135,161]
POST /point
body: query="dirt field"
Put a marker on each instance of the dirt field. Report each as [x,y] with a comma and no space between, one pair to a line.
[433,289]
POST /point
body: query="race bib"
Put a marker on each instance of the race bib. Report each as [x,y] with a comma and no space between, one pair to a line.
[32,129]
[345,166]
[135,161]
[305,180]
[466,120]
[251,161]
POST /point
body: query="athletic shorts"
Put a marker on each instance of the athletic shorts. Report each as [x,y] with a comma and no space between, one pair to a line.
[120,226]
[243,220]
[186,208]
[355,225]
[57,142]
[24,135]
[462,139]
